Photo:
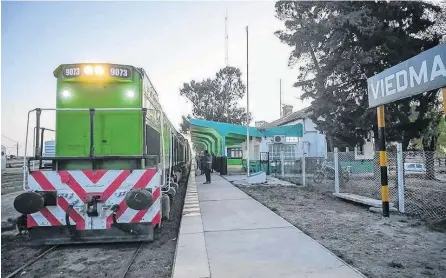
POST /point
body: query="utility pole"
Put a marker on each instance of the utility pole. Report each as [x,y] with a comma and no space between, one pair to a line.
[17,149]
[226,55]
[280,90]
[226,39]
[247,97]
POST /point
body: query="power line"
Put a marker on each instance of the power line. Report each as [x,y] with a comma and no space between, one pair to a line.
[11,147]
[9,138]
[17,146]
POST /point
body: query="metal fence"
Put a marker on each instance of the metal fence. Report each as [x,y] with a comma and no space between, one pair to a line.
[292,170]
[425,184]
[416,180]
[363,176]
[320,172]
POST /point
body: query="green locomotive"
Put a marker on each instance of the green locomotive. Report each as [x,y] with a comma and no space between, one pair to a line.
[116,163]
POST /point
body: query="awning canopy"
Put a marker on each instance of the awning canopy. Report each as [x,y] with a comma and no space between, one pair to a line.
[216,136]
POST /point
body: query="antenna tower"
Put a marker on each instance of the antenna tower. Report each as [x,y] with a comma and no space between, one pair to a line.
[226,39]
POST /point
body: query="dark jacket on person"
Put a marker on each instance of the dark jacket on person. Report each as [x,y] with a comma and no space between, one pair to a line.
[202,164]
[207,159]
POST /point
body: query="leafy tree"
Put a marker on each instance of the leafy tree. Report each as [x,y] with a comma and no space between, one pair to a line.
[216,99]
[338,44]
[184,125]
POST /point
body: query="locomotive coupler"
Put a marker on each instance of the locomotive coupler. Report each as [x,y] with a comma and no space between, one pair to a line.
[21,223]
[92,206]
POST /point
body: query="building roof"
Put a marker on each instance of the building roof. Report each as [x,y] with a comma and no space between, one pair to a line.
[227,129]
[301,114]
[216,135]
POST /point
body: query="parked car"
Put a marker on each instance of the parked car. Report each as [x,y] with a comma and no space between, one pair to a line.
[414,168]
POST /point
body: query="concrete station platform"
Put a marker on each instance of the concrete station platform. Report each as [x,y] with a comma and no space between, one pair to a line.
[226,233]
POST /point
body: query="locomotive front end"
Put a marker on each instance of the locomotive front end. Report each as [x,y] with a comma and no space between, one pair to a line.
[103,186]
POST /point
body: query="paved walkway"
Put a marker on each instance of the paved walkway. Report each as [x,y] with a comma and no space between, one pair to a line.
[225,233]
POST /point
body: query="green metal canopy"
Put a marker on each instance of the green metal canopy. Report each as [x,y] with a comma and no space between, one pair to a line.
[216,136]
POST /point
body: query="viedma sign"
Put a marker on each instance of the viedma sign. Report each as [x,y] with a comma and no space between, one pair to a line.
[421,73]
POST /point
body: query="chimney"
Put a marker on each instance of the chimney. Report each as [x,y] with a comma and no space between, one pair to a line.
[259,124]
[287,109]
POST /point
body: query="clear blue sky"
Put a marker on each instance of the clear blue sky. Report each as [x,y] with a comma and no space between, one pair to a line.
[173,41]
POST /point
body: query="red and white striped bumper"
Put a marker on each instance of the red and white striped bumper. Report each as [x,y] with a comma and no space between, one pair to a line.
[74,187]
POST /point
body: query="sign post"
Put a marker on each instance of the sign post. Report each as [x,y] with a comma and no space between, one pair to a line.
[443,90]
[383,161]
[419,74]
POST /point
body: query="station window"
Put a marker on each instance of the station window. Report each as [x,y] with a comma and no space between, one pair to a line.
[235,153]
[289,151]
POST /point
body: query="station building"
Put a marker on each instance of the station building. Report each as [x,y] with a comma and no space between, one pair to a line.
[294,135]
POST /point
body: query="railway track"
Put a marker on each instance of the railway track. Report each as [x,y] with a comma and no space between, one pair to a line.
[123,274]
[132,260]
[116,260]
[18,270]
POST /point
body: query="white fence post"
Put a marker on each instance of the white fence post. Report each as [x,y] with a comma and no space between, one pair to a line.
[336,165]
[303,168]
[282,164]
[400,169]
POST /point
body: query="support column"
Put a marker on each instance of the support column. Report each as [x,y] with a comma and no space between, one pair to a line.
[383,161]
[223,145]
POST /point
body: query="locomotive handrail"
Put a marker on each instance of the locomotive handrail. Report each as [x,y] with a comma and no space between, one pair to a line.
[37,147]
[41,136]
[37,144]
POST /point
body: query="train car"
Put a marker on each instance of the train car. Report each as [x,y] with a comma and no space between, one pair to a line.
[116,164]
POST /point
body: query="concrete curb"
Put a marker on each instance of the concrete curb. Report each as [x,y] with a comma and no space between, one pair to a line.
[179,228]
[193,260]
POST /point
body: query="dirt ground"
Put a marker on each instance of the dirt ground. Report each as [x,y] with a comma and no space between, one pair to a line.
[399,246]
[100,260]
[12,180]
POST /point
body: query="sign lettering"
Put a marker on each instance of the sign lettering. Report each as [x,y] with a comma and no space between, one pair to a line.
[417,75]
[120,71]
[71,72]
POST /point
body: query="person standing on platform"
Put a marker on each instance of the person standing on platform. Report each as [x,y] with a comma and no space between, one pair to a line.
[197,160]
[202,166]
[207,166]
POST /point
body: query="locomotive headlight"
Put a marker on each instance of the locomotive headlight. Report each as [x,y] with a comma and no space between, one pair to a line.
[130,94]
[88,70]
[66,94]
[99,70]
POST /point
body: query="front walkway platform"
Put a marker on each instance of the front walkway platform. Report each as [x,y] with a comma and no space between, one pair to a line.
[225,233]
